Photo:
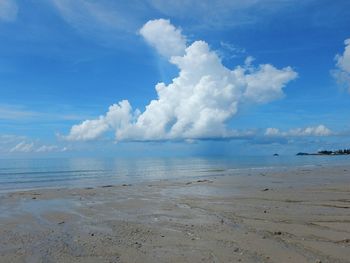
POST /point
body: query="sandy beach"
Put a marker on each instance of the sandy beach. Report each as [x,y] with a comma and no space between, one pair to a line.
[253,215]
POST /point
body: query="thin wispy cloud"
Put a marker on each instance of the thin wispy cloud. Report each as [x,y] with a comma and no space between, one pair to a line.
[224,13]
[22,113]
[10,112]
[50,148]
[319,130]
[200,100]
[108,16]
[22,144]
[8,10]
[23,147]
[230,50]
[7,139]
[103,17]
[30,147]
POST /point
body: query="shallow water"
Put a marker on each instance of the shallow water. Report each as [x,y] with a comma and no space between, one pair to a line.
[23,174]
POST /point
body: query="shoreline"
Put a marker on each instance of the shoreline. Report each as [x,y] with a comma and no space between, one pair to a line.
[223,172]
[298,214]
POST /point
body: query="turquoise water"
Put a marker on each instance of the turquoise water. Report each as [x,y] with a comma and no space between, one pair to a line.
[22,174]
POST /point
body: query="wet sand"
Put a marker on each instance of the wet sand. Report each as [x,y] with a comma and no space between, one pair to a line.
[286,215]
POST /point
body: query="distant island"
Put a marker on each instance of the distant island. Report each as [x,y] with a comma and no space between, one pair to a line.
[338,152]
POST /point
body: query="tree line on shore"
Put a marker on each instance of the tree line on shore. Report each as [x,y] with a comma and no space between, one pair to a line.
[326,152]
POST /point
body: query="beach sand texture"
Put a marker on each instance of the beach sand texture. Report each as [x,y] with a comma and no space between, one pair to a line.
[285,215]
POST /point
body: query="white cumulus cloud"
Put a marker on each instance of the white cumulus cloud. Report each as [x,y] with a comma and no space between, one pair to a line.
[199,101]
[342,71]
[8,10]
[166,38]
[118,117]
[319,130]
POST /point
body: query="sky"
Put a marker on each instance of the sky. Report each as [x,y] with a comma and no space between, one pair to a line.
[173,78]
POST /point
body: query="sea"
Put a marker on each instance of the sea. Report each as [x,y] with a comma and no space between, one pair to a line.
[29,174]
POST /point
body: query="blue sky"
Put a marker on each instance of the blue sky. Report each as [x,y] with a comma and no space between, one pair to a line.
[63,62]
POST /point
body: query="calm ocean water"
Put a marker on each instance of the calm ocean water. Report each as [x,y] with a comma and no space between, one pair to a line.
[22,174]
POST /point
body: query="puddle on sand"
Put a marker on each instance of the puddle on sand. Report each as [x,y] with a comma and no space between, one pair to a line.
[37,207]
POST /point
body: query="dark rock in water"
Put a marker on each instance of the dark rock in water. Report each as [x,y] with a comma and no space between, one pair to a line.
[266,189]
[347,240]
[276,154]
[106,186]
[204,181]
[302,154]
